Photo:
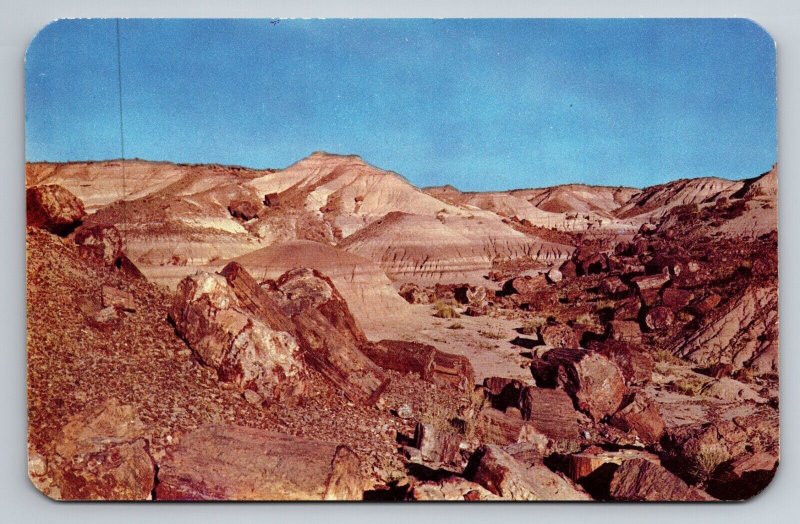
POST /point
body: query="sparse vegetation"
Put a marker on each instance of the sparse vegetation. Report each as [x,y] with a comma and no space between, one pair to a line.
[444,310]
[531,326]
[666,356]
[707,460]
[457,325]
[493,333]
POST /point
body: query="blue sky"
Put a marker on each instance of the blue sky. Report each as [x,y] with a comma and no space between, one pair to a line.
[480,104]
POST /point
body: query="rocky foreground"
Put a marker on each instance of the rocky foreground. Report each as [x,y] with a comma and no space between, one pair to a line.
[650,357]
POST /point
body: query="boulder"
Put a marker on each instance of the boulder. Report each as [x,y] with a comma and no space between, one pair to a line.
[627,309]
[413,294]
[706,305]
[640,416]
[437,445]
[590,263]
[244,209]
[98,427]
[642,480]
[675,298]
[475,311]
[225,462]
[53,208]
[103,243]
[568,269]
[593,468]
[117,298]
[559,335]
[497,427]
[648,228]
[554,276]
[624,331]
[503,392]
[425,360]
[524,285]
[744,477]
[241,347]
[593,381]
[449,489]
[551,413]
[614,287]
[648,286]
[659,318]
[635,363]
[501,474]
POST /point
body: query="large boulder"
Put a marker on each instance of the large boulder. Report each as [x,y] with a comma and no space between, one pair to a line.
[635,363]
[241,347]
[643,480]
[559,335]
[594,467]
[640,416]
[659,318]
[105,456]
[103,243]
[501,474]
[437,445]
[624,331]
[649,286]
[551,413]
[507,427]
[593,381]
[744,477]
[224,462]
[53,208]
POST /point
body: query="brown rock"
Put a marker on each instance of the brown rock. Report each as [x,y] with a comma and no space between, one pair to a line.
[594,467]
[554,276]
[476,296]
[425,360]
[53,208]
[95,429]
[498,427]
[614,287]
[117,298]
[413,294]
[551,413]
[590,263]
[707,304]
[642,480]
[640,416]
[744,477]
[223,462]
[559,335]
[437,445]
[525,285]
[241,347]
[475,311]
[102,243]
[568,269]
[649,286]
[659,318]
[627,309]
[501,474]
[624,331]
[593,381]
[450,488]
[676,299]
[244,209]
[636,364]
[504,393]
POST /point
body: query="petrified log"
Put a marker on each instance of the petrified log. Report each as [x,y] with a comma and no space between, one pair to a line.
[255,299]
[625,331]
[649,286]
[593,381]
[744,477]
[640,416]
[501,474]
[635,363]
[550,412]
[498,427]
[640,480]
[54,208]
[224,462]
[103,243]
[559,335]
[437,445]
[425,360]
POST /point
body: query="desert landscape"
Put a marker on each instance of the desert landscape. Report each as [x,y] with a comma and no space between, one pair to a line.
[329,331]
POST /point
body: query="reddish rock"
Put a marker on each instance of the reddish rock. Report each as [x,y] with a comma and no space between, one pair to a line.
[241,347]
[649,286]
[593,381]
[559,335]
[676,299]
[53,208]
[613,287]
[476,296]
[503,393]
[498,427]
[554,276]
[525,285]
[96,428]
[590,263]
[642,480]
[117,298]
[501,474]
[624,331]
[244,209]
[648,228]
[475,311]
[450,489]
[640,416]
[413,294]
[103,243]
[437,445]
[568,269]
[706,305]
[550,412]
[627,309]
[659,318]
[593,468]
[425,360]
[744,477]
[224,462]
[635,363]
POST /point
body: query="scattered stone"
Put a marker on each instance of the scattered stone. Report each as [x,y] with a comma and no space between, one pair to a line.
[568,269]
[252,397]
[413,294]
[550,412]
[53,208]
[593,468]
[624,331]
[627,309]
[648,229]
[559,335]
[498,427]
[501,474]
[117,298]
[640,416]
[649,286]
[225,462]
[744,477]
[554,276]
[450,489]
[590,263]
[244,209]
[676,299]
[706,305]
[659,318]
[525,285]
[475,311]
[593,381]
[405,412]
[476,296]
[102,243]
[425,360]
[437,445]
[614,287]
[635,363]
[642,480]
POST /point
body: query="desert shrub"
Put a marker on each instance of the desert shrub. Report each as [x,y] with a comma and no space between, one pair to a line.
[494,334]
[457,325]
[531,326]
[444,310]
[707,460]
[666,356]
